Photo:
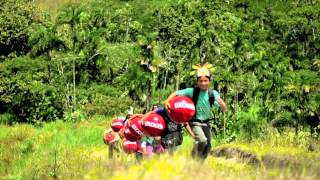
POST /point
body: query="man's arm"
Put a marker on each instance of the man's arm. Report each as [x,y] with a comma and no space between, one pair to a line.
[222,104]
[167,102]
[187,126]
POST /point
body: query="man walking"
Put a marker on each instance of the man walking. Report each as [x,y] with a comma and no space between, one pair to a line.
[204,99]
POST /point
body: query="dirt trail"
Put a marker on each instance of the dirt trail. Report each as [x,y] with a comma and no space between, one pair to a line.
[301,165]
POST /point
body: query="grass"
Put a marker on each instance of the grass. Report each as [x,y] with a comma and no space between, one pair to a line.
[76,151]
[51,6]
[286,143]
[283,153]
[25,150]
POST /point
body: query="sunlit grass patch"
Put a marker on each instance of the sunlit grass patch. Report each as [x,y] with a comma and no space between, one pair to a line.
[184,167]
[51,6]
[75,151]
[262,148]
[282,156]
[41,152]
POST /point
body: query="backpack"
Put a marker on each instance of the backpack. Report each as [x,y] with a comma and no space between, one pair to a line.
[195,96]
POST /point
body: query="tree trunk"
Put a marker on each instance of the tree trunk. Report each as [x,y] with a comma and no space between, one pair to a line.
[49,66]
[74,85]
[311,145]
[74,65]
[177,82]
[224,127]
[165,79]
[235,98]
[296,129]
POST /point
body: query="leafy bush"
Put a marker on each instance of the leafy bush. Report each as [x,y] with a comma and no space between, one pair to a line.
[105,100]
[25,95]
[249,122]
[264,53]
[15,18]
[7,118]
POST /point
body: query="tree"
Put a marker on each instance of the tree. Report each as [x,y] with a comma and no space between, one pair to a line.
[16,16]
[44,40]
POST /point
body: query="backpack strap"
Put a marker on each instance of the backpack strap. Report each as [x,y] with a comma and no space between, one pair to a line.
[196,92]
[211,98]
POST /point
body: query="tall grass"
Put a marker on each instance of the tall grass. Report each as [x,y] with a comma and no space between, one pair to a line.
[51,6]
[26,151]
[76,151]
[284,143]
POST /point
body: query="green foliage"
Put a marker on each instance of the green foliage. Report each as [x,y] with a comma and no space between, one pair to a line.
[15,18]
[30,152]
[250,123]
[137,82]
[104,100]
[75,150]
[25,95]
[7,118]
[264,54]
[115,60]
[44,39]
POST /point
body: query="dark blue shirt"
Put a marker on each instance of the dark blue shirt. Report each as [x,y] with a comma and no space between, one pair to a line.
[170,125]
[161,111]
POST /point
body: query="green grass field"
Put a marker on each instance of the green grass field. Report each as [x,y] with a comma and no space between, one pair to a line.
[51,6]
[76,151]
[66,150]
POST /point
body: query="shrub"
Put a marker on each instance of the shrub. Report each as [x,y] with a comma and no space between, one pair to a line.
[250,123]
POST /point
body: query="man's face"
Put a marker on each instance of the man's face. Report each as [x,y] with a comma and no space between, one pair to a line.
[203,83]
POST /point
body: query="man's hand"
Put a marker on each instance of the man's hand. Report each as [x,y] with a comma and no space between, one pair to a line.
[216,95]
[167,102]
[222,105]
[167,106]
[187,126]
